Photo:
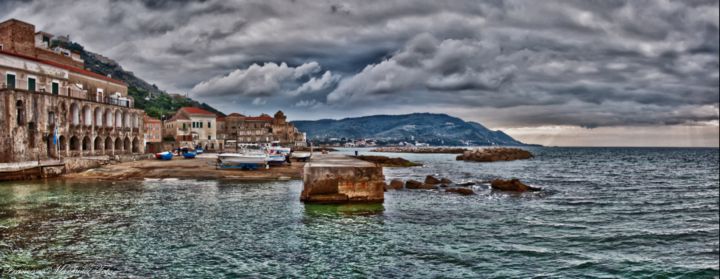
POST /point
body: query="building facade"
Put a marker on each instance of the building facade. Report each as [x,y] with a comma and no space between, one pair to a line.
[51,107]
[192,126]
[241,129]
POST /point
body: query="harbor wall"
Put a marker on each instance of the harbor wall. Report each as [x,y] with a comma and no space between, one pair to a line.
[342,180]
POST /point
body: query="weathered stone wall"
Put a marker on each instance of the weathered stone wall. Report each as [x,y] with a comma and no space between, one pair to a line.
[28,121]
[337,180]
[18,36]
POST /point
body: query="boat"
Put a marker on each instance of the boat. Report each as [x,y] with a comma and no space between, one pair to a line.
[301,156]
[276,159]
[199,150]
[189,155]
[248,159]
[275,147]
[167,155]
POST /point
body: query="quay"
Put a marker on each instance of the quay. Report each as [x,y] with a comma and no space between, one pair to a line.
[327,178]
[334,178]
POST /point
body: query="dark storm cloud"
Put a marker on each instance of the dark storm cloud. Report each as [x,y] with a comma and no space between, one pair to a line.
[585,63]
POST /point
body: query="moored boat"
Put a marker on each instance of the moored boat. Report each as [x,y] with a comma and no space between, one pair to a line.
[189,155]
[245,160]
[167,155]
[301,156]
[276,159]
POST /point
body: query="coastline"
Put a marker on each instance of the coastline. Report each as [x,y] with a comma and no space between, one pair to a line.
[202,167]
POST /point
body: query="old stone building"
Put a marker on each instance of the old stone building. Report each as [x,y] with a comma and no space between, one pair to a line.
[50,107]
[192,126]
[261,129]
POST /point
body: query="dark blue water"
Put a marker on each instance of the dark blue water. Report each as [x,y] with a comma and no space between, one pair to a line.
[604,213]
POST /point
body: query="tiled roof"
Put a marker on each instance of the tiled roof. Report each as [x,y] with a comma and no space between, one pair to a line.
[178,116]
[66,67]
[236,114]
[194,110]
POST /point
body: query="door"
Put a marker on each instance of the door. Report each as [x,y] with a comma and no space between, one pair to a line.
[31,84]
[10,80]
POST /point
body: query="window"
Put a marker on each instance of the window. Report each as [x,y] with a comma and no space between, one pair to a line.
[201,124]
[55,88]
[209,137]
[31,84]
[1,47]
[10,80]
[209,126]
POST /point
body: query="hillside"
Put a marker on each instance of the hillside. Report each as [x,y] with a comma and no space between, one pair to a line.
[435,129]
[148,97]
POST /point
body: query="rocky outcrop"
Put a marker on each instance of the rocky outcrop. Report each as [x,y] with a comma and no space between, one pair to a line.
[413,149]
[396,184]
[461,191]
[469,183]
[387,161]
[413,184]
[495,154]
[513,185]
[445,181]
[431,180]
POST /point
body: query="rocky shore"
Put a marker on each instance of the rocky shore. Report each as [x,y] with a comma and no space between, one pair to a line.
[413,149]
[314,149]
[387,161]
[494,154]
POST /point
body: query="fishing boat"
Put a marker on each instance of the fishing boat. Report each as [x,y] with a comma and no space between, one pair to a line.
[276,159]
[275,147]
[301,156]
[165,156]
[189,155]
[247,159]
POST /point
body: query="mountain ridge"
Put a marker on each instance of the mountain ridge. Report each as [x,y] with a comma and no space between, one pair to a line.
[432,128]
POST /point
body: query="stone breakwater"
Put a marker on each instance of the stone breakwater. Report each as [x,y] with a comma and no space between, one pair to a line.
[387,161]
[494,154]
[412,149]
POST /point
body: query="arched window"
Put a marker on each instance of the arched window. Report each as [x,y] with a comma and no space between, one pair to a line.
[20,113]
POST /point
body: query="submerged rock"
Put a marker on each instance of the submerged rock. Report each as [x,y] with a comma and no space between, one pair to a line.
[413,184]
[513,185]
[396,184]
[469,183]
[431,180]
[495,154]
[461,191]
[387,161]
[445,181]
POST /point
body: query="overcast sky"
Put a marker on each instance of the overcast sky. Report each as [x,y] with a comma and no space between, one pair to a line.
[550,72]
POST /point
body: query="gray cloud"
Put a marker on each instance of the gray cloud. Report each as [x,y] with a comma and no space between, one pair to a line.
[512,63]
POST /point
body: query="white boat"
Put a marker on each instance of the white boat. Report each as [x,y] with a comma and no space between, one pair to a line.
[301,155]
[244,160]
[275,147]
[276,159]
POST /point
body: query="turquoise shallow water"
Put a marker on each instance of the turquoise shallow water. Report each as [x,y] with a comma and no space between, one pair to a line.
[604,213]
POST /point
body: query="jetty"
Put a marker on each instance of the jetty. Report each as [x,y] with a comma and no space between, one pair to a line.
[334,178]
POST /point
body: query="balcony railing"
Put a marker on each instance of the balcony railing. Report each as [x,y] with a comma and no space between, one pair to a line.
[71,92]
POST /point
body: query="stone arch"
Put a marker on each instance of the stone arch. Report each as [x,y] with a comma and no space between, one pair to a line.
[98,144]
[86,144]
[135,120]
[108,118]
[126,119]
[74,114]
[118,144]
[74,143]
[63,143]
[108,144]
[98,117]
[135,146]
[127,145]
[87,115]
[118,119]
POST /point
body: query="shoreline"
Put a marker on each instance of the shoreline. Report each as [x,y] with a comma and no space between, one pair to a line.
[200,168]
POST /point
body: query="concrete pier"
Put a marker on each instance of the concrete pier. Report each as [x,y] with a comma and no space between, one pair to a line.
[334,178]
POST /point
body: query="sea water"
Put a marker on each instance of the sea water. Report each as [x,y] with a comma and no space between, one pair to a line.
[603,213]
